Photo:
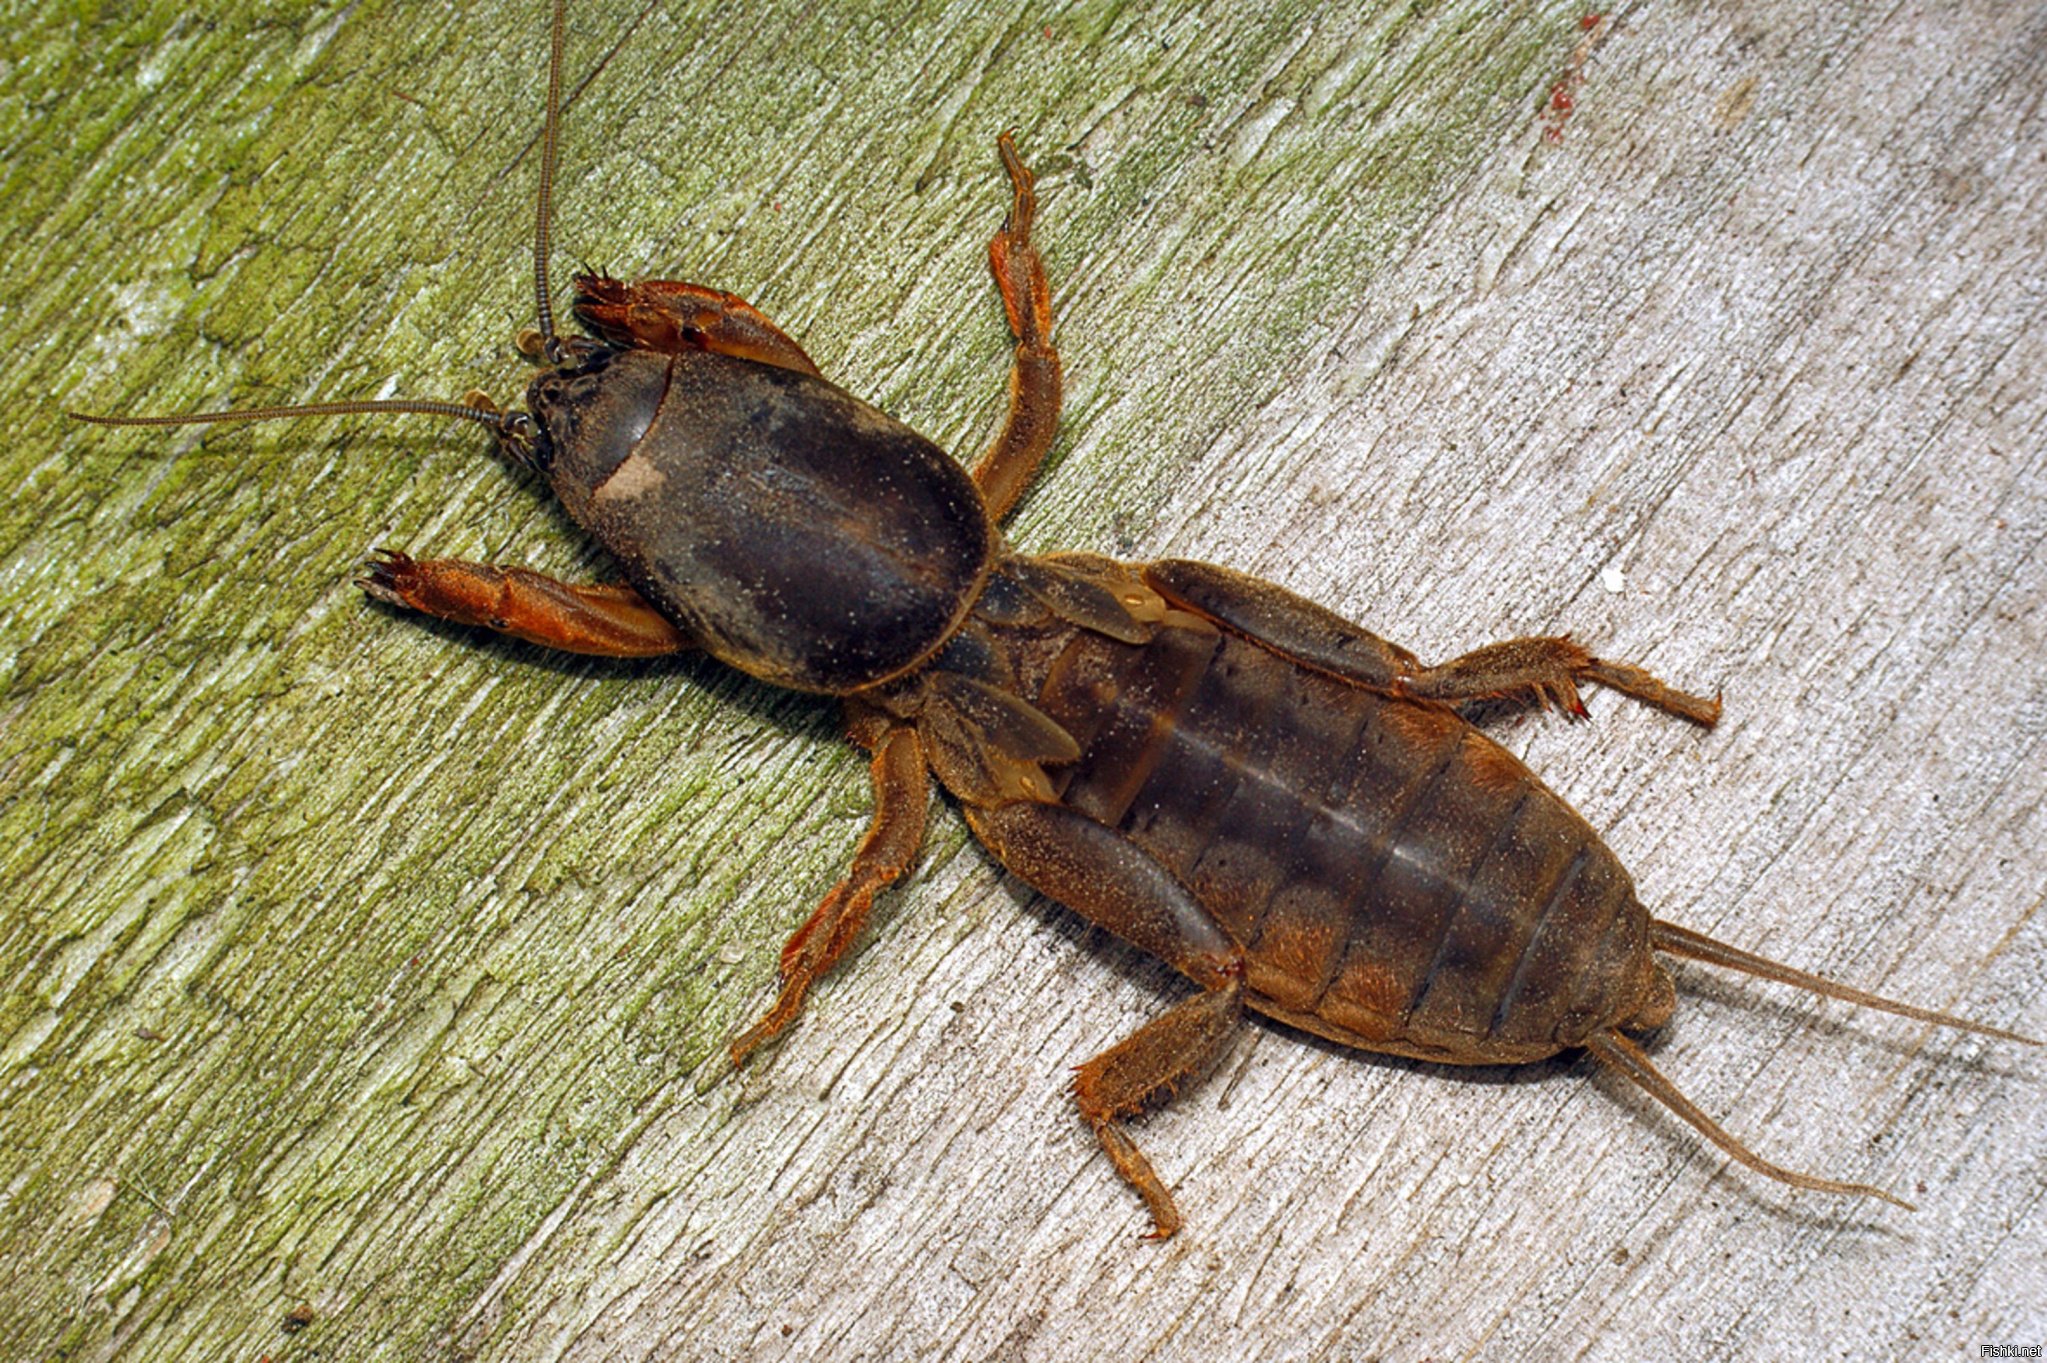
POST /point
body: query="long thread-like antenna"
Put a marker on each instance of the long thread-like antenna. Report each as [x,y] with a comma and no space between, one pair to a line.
[550,342]
[515,427]
[496,420]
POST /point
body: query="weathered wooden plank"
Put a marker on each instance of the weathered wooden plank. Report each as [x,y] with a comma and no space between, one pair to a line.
[350,962]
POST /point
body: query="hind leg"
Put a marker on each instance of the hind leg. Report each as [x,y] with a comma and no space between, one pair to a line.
[1548,670]
[1111,882]
[1544,669]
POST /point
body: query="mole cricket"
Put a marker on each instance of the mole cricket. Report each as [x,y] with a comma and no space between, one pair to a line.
[1291,811]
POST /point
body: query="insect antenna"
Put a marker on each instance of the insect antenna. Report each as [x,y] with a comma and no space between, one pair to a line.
[550,342]
[502,422]
[1669,937]
[1623,1056]
[515,429]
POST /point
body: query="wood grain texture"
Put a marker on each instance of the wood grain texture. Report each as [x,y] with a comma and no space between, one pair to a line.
[355,963]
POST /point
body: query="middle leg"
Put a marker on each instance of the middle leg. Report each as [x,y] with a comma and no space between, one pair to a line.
[902,793]
[1034,379]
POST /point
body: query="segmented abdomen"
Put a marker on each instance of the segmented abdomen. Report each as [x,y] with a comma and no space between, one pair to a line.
[1397,880]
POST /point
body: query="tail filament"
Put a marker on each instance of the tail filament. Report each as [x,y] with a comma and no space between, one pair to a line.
[1618,1053]
[1624,1057]
[1696,946]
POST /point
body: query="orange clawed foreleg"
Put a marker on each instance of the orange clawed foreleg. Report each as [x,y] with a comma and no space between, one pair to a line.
[671,316]
[608,619]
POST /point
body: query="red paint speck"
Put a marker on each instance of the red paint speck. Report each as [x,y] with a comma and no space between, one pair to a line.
[1556,110]
[1563,97]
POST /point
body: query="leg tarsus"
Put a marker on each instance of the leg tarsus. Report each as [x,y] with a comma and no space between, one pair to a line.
[606,619]
[1034,377]
[1630,680]
[1149,1066]
[1138,1173]
[901,797]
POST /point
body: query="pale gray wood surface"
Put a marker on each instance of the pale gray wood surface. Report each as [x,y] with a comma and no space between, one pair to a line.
[351,963]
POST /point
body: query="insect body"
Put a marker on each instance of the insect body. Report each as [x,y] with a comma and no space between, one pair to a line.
[1288,809]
